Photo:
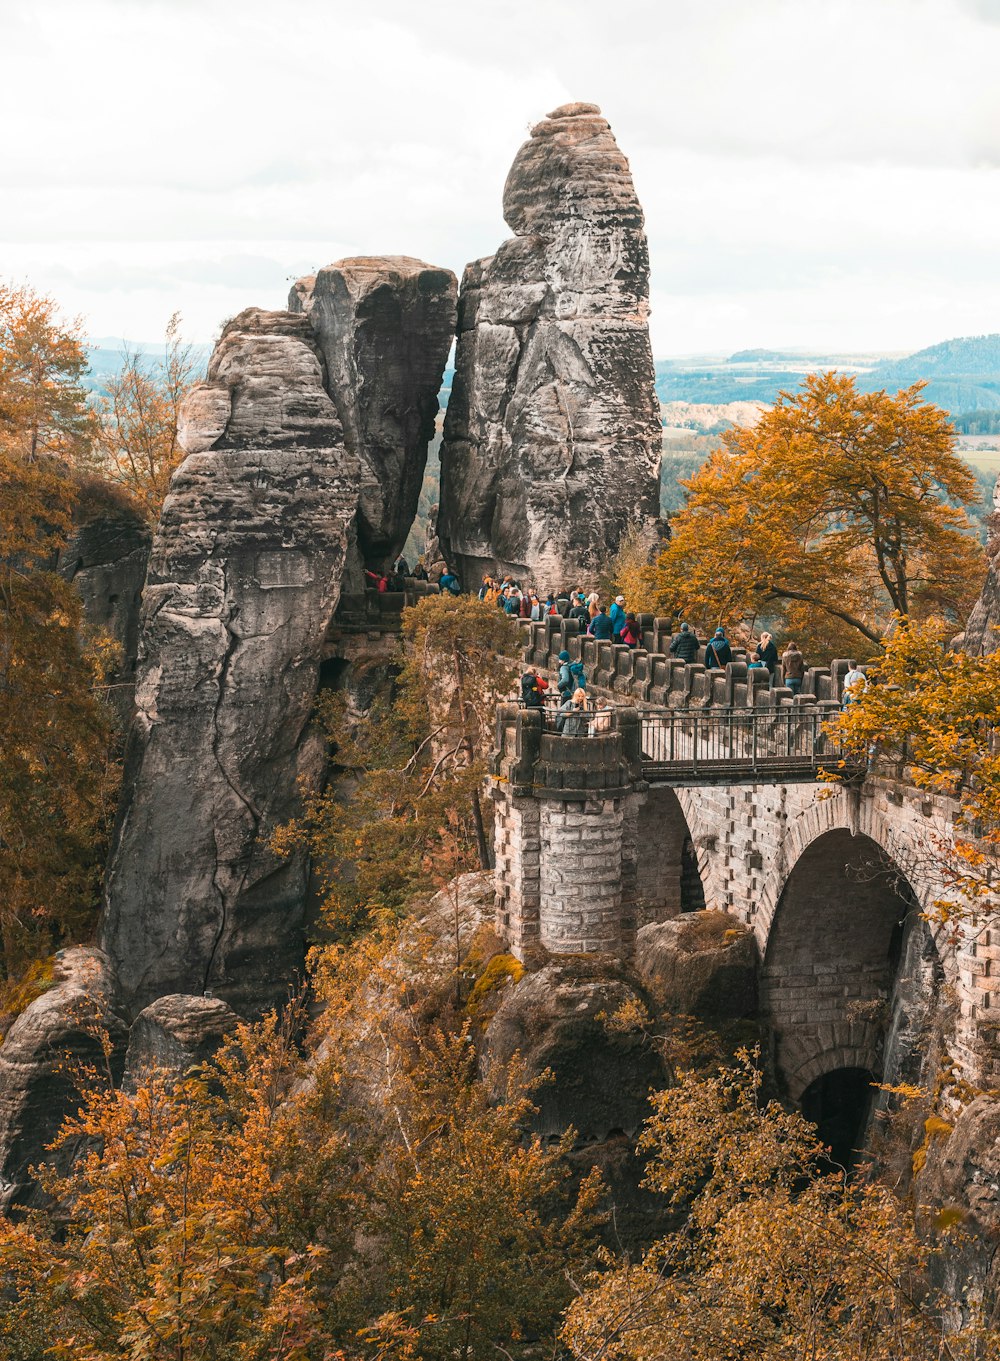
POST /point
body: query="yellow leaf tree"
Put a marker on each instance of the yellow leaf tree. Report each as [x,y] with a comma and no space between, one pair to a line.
[836,509]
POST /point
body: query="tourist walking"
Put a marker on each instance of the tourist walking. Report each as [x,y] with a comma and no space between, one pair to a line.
[685,645]
[718,653]
[855,685]
[580,613]
[564,679]
[450,582]
[631,634]
[793,668]
[533,687]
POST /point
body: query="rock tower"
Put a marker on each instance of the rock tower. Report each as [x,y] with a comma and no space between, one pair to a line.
[306,448]
[552,435]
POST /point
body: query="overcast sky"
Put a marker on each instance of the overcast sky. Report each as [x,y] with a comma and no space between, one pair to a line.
[814,172]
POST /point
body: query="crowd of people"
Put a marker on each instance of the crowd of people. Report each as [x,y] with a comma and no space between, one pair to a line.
[615,624]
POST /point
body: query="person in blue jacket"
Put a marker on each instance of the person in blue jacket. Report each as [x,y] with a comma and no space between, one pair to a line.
[617,616]
[600,626]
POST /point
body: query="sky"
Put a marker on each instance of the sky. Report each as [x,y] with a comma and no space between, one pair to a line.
[814,173]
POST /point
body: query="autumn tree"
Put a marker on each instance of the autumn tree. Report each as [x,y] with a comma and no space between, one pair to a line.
[57,775]
[771,1257]
[369,1204]
[408,801]
[137,446]
[44,411]
[932,715]
[836,509]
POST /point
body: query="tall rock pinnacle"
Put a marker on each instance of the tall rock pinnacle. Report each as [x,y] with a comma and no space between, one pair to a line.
[306,447]
[552,436]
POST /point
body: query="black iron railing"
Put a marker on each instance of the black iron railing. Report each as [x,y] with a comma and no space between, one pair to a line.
[786,740]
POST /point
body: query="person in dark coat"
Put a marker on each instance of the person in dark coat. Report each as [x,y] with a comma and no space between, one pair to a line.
[533,688]
[718,653]
[600,626]
[767,654]
[580,613]
[685,646]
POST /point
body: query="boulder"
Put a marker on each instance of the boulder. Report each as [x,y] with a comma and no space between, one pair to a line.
[557,1019]
[552,435]
[270,518]
[174,1034]
[49,1041]
[699,964]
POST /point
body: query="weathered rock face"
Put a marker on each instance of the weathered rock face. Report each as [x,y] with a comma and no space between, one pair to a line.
[175,1033]
[385,326]
[37,1090]
[556,1019]
[259,536]
[552,435]
[105,557]
[981,632]
[699,964]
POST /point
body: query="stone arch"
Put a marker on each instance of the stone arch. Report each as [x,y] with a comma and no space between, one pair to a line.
[832,957]
[669,878]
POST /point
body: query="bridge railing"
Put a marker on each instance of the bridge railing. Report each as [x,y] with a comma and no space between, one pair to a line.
[788,740]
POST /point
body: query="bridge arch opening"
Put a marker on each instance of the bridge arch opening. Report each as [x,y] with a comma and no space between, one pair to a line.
[668,880]
[829,976]
[839,1103]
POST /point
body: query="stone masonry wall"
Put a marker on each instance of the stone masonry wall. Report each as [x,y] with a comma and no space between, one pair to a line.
[581,876]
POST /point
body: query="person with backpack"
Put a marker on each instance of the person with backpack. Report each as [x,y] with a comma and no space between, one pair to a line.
[564,679]
[580,613]
[718,653]
[449,582]
[533,687]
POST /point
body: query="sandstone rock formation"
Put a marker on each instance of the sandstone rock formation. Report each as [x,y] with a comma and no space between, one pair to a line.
[272,514]
[174,1034]
[385,327]
[57,1031]
[552,435]
[105,557]
[982,632]
[699,964]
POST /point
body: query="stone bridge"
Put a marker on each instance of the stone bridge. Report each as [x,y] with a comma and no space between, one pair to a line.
[833,881]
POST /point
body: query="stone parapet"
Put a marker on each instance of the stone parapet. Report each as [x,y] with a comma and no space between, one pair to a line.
[649,675]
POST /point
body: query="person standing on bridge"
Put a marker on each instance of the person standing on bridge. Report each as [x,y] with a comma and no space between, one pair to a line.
[574,715]
[793,668]
[600,626]
[580,613]
[718,653]
[855,685]
[533,687]
[685,646]
[767,654]
[617,616]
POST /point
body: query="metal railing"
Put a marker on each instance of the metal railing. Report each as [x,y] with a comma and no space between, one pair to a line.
[786,741]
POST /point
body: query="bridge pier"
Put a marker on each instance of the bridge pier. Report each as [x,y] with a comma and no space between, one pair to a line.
[566,825]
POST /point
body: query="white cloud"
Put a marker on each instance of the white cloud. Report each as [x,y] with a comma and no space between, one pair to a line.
[815,168]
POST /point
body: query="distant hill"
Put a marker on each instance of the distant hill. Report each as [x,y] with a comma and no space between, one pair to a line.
[105,357]
[963,374]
